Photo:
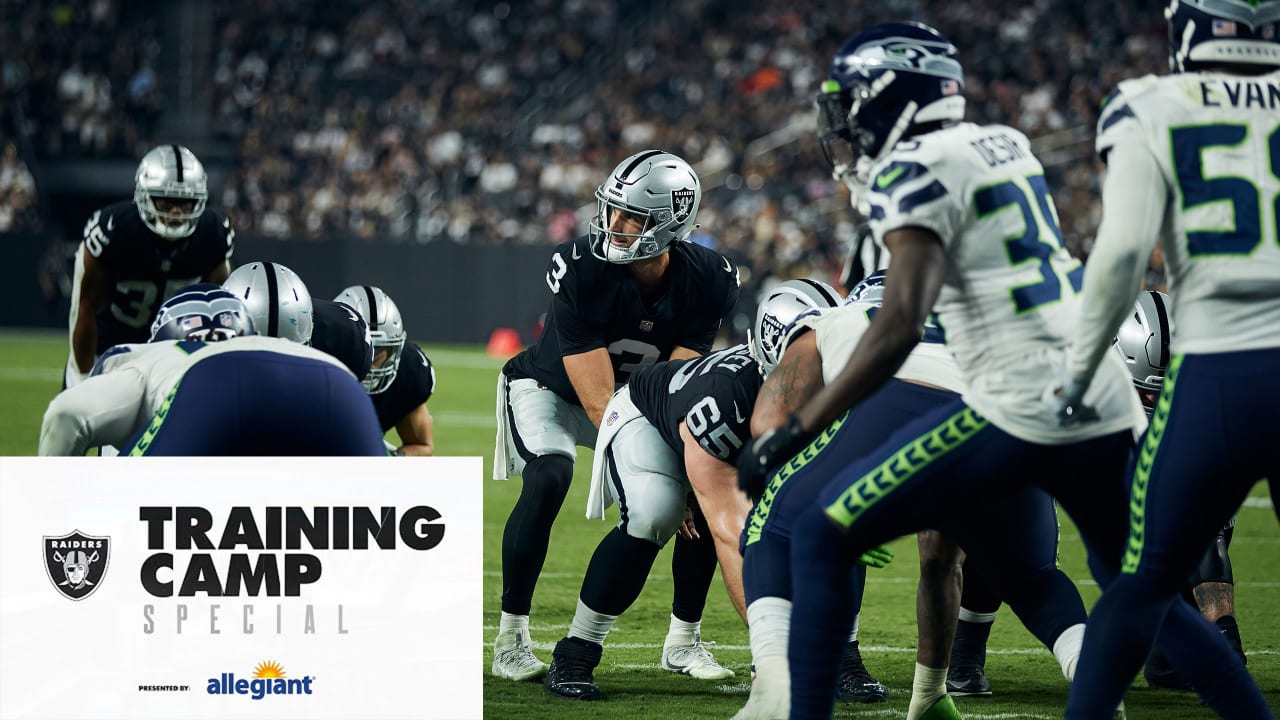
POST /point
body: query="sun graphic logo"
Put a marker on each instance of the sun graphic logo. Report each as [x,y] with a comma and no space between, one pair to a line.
[268,670]
[269,678]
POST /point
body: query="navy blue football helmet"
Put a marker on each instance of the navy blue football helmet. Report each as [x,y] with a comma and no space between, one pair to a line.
[886,83]
[1223,32]
[202,312]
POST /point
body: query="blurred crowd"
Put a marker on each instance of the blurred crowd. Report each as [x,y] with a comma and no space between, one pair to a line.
[492,122]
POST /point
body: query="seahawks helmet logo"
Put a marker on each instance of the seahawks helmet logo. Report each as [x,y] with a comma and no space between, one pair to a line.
[76,563]
[681,203]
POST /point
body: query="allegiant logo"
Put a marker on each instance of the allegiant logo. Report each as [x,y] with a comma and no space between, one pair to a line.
[268,679]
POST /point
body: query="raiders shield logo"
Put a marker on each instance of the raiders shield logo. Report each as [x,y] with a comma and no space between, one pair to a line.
[76,562]
[682,203]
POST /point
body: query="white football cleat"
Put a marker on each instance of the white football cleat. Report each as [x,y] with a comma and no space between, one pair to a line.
[513,657]
[694,660]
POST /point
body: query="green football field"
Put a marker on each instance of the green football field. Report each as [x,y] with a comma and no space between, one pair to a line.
[1025,676]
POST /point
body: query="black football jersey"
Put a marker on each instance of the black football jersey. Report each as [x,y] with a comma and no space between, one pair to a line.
[595,304]
[147,269]
[713,396]
[338,330]
[414,383]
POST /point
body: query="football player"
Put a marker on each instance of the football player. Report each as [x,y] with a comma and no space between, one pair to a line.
[1143,344]
[1193,158]
[1016,537]
[940,190]
[629,294]
[206,385]
[281,306]
[674,427]
[399,381]
[136,255]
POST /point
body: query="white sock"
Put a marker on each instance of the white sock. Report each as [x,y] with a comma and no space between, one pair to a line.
[591,625]
[979,618]
[1067,650]
[928,687]
[681,632]
[512,622]
[769,620]
[853,634]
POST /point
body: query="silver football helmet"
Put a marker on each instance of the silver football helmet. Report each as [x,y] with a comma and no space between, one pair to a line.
[278,300]
[386,327]
[172,175]
[779,309]
[661,191]
[1143,343]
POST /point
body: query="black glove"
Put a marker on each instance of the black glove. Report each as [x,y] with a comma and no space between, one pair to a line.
[768,452]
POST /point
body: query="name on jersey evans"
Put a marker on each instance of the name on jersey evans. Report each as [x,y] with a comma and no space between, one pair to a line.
[1246,94]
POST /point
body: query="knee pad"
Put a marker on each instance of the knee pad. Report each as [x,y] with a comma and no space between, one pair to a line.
[547,474]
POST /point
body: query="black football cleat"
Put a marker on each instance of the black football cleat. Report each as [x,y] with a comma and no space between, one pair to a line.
[968,681]
[856,684]
[570,673]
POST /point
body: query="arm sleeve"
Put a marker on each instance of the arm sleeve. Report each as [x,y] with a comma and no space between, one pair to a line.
[1134,200]
[102,410]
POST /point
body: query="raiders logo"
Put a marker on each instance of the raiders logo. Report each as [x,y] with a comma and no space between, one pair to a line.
[682,203]
[76,563]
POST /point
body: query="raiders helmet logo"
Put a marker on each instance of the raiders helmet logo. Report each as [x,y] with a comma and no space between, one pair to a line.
[76,563]
[682,203]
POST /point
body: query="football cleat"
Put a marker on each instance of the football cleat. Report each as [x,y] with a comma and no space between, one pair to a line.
[694,660]
[968,680]
[513,657]
[856,683]
[572,662]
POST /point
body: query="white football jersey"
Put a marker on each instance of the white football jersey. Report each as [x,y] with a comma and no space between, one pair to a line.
[131,382]
[1009,297]
[1216,138]
[838,330]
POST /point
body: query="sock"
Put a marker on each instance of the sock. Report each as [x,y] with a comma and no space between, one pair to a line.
[693,568]
[853,634]
[970,647]
[509,622]
[682,632]
[617,572]
[769,620]
[590,625]
[524,539]
[977,618]
[1227,626]
[1067,650]
[928,687]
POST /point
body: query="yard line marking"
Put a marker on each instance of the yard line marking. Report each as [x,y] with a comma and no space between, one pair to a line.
[26,374]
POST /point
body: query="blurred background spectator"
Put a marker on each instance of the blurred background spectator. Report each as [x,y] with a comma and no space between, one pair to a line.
[492,122]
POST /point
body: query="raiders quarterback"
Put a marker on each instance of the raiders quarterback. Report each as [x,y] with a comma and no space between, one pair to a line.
[136,255]
[630,294]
